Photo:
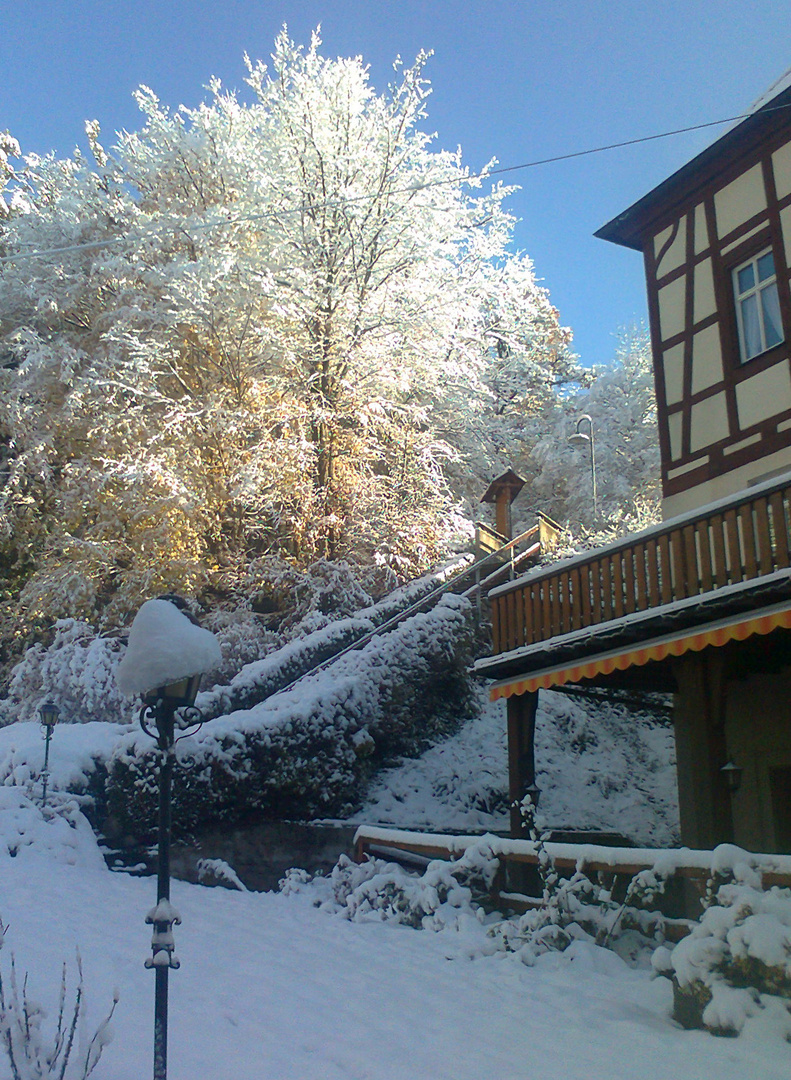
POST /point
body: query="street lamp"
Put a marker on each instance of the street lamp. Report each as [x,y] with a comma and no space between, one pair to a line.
[581,437]
[49,713]
[165,658]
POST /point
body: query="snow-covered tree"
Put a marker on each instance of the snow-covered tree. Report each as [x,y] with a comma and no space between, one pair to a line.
[285,326]
[621,403]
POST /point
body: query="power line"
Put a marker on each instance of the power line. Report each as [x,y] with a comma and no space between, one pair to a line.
[328,205]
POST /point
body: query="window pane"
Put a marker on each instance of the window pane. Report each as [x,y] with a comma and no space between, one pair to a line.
[746,278]
[766,266]
[773,328]
[751,327]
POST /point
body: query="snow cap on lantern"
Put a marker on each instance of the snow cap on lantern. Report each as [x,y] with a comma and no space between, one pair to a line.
[164,647]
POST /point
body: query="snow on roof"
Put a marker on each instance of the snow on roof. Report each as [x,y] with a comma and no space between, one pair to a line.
[777,87]
[164,647]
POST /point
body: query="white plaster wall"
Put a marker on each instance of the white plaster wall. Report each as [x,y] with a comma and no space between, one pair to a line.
[701,230]
[726,484]
[739,200]
[764,395]
[705,303]
[676,253]
[671,308]
[674,374]
[781,166]
[706,358]
[709,422]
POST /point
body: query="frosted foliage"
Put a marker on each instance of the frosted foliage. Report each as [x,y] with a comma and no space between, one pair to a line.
[76,671]
[621,402]
[299,348]
[738,957]
[164,647]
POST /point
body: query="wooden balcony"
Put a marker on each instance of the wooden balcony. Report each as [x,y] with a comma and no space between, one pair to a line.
[738,540]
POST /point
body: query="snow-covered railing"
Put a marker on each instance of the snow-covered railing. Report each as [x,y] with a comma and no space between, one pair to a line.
[697,867]
[739,539]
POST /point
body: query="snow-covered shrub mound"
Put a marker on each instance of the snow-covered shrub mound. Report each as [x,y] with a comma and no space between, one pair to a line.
[58,832]
[315,638]
[737,960]
[261,679]
[308,751]
[76,671]
[384,892]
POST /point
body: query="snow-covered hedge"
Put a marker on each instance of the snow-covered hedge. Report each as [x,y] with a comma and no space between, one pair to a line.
[307,752]
[736,961]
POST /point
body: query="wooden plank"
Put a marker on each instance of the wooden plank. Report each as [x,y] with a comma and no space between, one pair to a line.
[652,559]
[704,555]
[640,577]
[565,602]
[720,566]
[745,515]
[576,599]
[546,613]
[510,621]
[616,565]
[665,568]
[679,575]
[763,536]
[495,609]
[606,610]
[780,531]
[629,582]
[519,604]
[691,569]
[731,529]
[586,586]
[555,604]
[535,603]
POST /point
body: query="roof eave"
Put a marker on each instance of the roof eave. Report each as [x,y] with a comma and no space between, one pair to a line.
[630,227]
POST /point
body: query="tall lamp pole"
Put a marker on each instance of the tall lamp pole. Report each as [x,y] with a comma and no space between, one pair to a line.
[160,707]
[166,655]
[582,437]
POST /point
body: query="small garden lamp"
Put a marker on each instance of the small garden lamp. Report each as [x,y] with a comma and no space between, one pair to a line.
[167,654]
[49,713]
[587,439]
[732,775]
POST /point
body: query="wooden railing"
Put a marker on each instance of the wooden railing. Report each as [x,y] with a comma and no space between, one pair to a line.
[416,850]
[735,540]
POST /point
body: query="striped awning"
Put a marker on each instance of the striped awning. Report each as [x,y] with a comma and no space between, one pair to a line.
[719,633]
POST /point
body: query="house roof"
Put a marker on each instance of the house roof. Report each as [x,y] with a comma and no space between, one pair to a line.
[769,114]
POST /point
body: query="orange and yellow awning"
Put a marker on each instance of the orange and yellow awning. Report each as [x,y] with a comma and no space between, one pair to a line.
[716,634]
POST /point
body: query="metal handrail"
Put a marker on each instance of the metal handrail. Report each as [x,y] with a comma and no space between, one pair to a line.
[413,609]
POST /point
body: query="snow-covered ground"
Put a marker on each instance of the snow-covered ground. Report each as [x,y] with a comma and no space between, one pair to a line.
[271,988]
[602,767]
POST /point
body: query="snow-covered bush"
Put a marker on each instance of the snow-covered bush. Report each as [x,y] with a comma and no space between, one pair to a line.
[383,891]
[33,1051]
[580,907]
[309,751]
[76,671]
[243,639]
[737,959]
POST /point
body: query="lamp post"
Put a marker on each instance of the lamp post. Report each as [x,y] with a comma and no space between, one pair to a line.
[160,707]
[581,437]
[166,655]
[49,713]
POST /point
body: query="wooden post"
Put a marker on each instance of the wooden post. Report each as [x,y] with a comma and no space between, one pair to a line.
[701,750]
[521,754]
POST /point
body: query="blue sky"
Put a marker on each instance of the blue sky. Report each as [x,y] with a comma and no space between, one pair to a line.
[513,79]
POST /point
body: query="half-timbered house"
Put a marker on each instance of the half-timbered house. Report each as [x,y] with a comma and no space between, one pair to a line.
[701,604]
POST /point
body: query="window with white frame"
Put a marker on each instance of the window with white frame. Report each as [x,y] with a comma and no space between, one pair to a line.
[757,305]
